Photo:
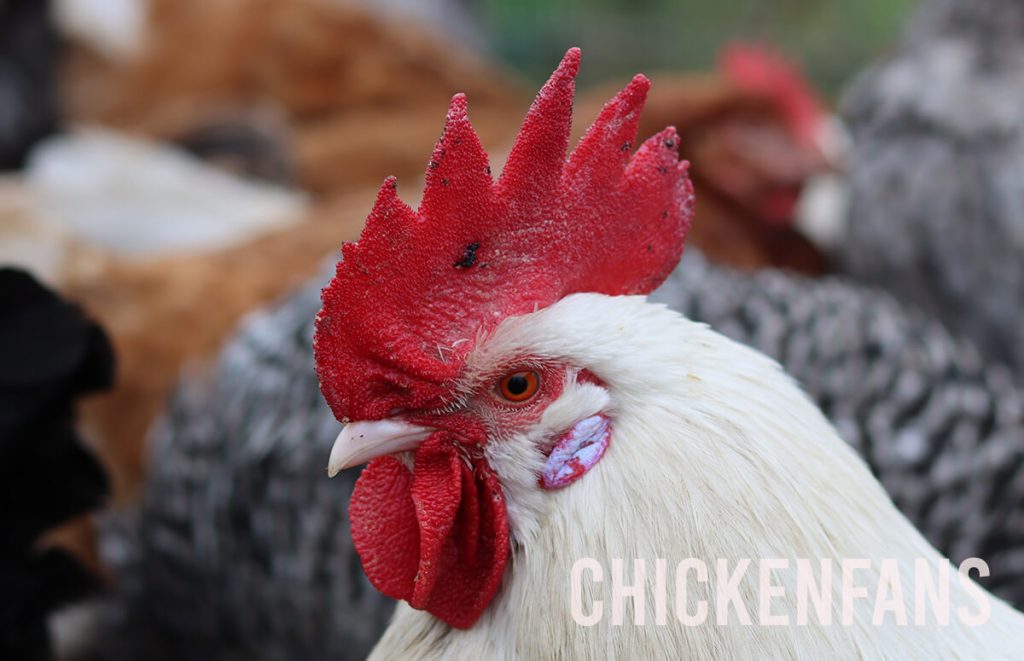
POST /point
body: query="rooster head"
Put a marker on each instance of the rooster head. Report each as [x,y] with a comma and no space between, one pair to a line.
[772,142]
[760,70]
[410,355]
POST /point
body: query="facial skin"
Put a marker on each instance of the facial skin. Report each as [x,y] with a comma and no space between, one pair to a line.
[514,437]
[494,404]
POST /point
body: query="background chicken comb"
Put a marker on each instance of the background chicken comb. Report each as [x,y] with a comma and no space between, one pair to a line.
[760,70]
[412,295]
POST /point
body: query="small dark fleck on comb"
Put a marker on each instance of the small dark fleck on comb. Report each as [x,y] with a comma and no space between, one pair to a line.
[468,256]
[662,169]
[626,146]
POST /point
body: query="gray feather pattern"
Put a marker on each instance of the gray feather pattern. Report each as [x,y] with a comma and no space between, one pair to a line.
[936,173]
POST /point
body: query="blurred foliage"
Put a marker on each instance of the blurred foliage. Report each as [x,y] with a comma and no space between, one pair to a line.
[832,39]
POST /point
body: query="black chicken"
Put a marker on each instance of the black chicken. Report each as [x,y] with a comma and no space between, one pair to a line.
[50,354]
[28,91]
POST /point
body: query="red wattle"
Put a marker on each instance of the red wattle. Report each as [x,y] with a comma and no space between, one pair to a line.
[436,537]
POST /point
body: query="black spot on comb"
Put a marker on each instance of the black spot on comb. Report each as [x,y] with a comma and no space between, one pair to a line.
[468,256]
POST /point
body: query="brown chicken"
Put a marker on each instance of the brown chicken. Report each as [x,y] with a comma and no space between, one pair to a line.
[344,93]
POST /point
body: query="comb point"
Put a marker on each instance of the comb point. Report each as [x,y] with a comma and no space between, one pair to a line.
[570,63]
[458,108]
[535,163]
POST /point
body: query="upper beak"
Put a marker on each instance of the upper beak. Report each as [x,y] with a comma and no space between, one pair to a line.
[360,442]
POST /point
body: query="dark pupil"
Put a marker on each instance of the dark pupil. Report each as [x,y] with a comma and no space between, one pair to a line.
[517,384]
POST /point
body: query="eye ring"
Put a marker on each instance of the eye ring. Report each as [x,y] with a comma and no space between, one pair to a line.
[519,386]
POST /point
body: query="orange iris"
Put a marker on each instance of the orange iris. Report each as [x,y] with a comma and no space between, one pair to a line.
[519,386]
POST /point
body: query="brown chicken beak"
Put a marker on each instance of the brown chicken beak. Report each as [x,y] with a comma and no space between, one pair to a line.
[359,442]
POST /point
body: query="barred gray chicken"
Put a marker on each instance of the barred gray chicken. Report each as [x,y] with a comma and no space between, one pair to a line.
[237,554]
[936,173]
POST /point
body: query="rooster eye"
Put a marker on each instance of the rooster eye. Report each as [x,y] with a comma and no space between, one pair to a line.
[519,386]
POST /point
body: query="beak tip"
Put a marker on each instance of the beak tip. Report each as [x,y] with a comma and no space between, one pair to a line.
[337,463]
[360,442]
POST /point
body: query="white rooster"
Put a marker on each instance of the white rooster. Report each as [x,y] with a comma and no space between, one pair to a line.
[524,408]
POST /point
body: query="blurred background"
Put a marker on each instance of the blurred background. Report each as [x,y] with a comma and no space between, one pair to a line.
[831,39]
[181,174]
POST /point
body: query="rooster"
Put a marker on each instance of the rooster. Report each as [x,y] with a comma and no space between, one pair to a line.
[234,553]
[522,406]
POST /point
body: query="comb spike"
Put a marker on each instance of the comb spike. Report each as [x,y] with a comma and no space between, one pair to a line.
[654,202]
[603,151]
[387,227]
[659,154]
[458,180]
[535,164]
[654,164]
[390,215]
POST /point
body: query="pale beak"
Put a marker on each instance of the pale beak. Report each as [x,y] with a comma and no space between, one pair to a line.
[360,442]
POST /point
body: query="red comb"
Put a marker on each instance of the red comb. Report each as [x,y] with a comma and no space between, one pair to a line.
[763,71]
[413,294]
